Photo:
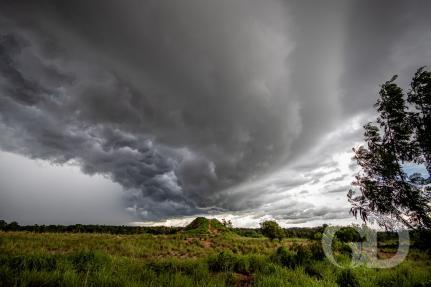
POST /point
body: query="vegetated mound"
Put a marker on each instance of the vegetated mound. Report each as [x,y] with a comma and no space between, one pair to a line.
[202,225]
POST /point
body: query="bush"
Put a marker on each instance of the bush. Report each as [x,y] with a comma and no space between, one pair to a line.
[88,261]
[269,268]
[316,250]
[244,264]
[224,262]
[345,249]
[258,263]
[303,256]
[247,232]
[162,267]
[299,255]
[285,257]
[311,271]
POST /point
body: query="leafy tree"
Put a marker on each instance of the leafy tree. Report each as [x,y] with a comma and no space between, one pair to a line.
[401,134]
[3,225]
[227,223]
[13,226]
[420,98]
[272,230]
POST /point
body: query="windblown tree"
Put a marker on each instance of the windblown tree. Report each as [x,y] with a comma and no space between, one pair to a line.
[401,134]
[420,99]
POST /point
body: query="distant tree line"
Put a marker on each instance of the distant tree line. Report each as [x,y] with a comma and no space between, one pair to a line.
[346,234]
[89,228]
[295,232]
[292,232]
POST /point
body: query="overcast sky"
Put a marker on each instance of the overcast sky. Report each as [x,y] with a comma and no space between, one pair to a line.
[144,112]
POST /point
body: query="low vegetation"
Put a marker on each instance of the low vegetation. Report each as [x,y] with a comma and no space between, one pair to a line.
[205,253]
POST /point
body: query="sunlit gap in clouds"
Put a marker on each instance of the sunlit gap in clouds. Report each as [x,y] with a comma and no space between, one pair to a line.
[298,195]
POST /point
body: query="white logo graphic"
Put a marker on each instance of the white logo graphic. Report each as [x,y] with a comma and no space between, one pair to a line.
[365,252]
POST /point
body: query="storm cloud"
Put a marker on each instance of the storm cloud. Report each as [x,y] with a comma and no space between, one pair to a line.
[204,107]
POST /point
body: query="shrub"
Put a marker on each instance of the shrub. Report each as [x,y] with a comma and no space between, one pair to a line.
[269,268]
[285,257]
[224,262]
[162,267]
[345,249]
[311,271]
[316,250]
[299,255]
[88,260]
[303,256]
[247,232]
[258,263]
[242,265]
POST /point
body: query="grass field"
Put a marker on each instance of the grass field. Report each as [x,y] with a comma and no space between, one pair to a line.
[184,259]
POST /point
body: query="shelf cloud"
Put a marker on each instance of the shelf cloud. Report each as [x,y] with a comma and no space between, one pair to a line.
[204,107]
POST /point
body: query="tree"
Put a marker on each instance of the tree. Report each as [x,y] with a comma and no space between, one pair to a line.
[3,225]
[420,98]
[13,226]
[401,134]
[227,223]
[272,230]
[348,234]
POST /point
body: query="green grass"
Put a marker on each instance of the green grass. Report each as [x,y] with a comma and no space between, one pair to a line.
[185,259]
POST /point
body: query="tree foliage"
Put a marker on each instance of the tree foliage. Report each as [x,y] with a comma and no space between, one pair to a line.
[348,234]
[272,230]
[420,98]
[400,135]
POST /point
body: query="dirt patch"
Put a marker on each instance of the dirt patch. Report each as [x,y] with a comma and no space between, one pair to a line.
[206,243]
[385,255]
[211,229]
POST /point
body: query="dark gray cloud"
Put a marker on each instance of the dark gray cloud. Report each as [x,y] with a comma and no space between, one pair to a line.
[194,107]
[162,110]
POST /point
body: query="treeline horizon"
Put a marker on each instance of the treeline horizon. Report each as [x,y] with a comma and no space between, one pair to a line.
[291,232]
[301,232]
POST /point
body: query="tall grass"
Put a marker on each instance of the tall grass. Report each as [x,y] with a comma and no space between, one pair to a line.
[29,259]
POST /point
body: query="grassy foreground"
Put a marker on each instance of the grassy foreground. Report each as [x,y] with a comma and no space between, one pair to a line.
[225,259]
